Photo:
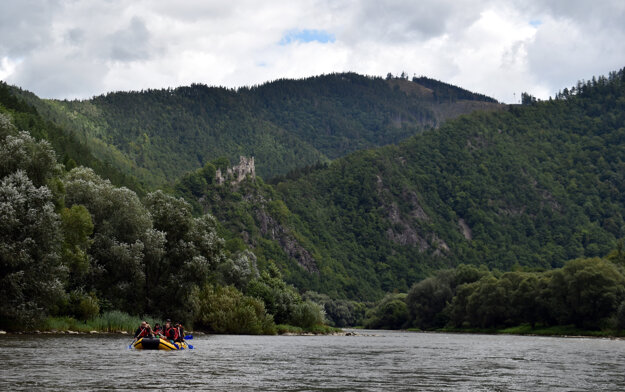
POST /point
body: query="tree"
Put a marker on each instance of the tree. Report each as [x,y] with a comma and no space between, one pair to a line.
[77,227]
[595,288]
[30,268]
[427,299]
[390,313]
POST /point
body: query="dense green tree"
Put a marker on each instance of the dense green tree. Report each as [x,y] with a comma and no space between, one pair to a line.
[225,309]
[30,267]
[77,228]
[390,313]
[594,289]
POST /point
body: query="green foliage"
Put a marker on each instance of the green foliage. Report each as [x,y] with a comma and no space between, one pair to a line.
[30,267]
[227,310]
[70,150]
[339,312]
[83,306]
[390,313]
[585,293]
[157,135]
[307,314]
[75,245]
[111,321]
[532,186]
[77,228]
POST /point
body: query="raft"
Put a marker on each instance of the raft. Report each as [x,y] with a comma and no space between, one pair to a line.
[159,344]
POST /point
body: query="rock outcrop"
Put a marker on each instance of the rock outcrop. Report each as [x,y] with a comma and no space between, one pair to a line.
[237,173]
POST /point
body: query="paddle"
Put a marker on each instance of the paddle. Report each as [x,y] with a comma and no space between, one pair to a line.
[189,337]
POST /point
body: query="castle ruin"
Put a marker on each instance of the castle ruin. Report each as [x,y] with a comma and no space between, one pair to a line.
[237,173]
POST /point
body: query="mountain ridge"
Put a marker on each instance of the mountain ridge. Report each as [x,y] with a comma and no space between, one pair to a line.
[528,187]
[158,135]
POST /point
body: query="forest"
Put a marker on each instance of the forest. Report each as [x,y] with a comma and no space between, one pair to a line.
[494,219]
[73,244]
[158,135]
[533,186]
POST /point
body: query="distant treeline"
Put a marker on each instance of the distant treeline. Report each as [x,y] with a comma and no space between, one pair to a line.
[586,293]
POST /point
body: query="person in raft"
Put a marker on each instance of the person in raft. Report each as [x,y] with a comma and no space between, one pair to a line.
[143,331]
[180,330]
[158,330]
[171,333]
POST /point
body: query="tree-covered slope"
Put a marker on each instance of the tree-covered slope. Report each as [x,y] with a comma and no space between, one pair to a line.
[157,135]
[69,148]
[534,186]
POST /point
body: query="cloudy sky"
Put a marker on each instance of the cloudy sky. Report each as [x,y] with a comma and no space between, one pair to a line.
[81,48]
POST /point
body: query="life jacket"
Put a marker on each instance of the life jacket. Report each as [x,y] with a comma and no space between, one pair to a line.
[143,333]
[180,332]
[158,330]
[171,333]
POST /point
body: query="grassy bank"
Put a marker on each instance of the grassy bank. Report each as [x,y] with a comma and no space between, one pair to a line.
[114,321]
[315,330]
[526,329]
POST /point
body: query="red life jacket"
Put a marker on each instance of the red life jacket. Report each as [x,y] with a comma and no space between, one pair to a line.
[172,333]
[144,332]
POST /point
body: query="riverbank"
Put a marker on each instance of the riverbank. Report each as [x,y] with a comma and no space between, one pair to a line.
[116,322]
[568,331]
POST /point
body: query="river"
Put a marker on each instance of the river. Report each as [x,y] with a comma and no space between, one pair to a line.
[372,361]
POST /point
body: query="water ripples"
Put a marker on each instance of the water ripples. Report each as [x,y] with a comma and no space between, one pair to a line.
[374,361]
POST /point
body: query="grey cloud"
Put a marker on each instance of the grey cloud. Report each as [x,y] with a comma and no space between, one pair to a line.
[579,40]
[75,36]
[131,43]
[52,76]
[25,25]
[196,10]
[405,20]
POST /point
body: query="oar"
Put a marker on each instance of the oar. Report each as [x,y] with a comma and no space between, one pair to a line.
[189,337]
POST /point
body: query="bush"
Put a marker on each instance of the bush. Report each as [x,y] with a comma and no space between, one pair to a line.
[307,314]
[390,313]
[83,306]
[227,310]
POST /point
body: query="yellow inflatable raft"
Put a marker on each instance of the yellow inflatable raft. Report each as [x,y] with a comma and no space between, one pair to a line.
[159,344]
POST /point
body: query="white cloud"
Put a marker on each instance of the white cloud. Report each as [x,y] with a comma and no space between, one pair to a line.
[82,48]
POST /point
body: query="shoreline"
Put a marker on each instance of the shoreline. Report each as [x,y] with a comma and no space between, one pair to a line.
[589,335]
[343,332]
[195,333]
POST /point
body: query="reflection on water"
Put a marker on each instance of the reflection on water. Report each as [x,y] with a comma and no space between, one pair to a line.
[393,361]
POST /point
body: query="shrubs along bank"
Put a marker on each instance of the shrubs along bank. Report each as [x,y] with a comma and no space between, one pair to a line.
[72,244]
[585,295]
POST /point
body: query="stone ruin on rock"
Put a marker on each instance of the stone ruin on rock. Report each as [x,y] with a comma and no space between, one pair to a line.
[237,173]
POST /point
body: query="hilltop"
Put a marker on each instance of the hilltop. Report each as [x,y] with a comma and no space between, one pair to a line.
[158,135]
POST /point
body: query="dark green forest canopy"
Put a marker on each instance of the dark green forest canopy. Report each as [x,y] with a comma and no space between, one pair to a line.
[535,185]
[69,149]
[158,135]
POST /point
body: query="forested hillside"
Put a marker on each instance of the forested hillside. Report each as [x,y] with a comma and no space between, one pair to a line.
[533,186]
[157,135]
[70,150]
[73,244]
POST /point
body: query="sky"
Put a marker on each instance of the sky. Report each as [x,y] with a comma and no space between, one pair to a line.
[81,48]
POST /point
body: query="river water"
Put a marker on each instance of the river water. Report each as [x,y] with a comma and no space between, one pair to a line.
[372,361]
